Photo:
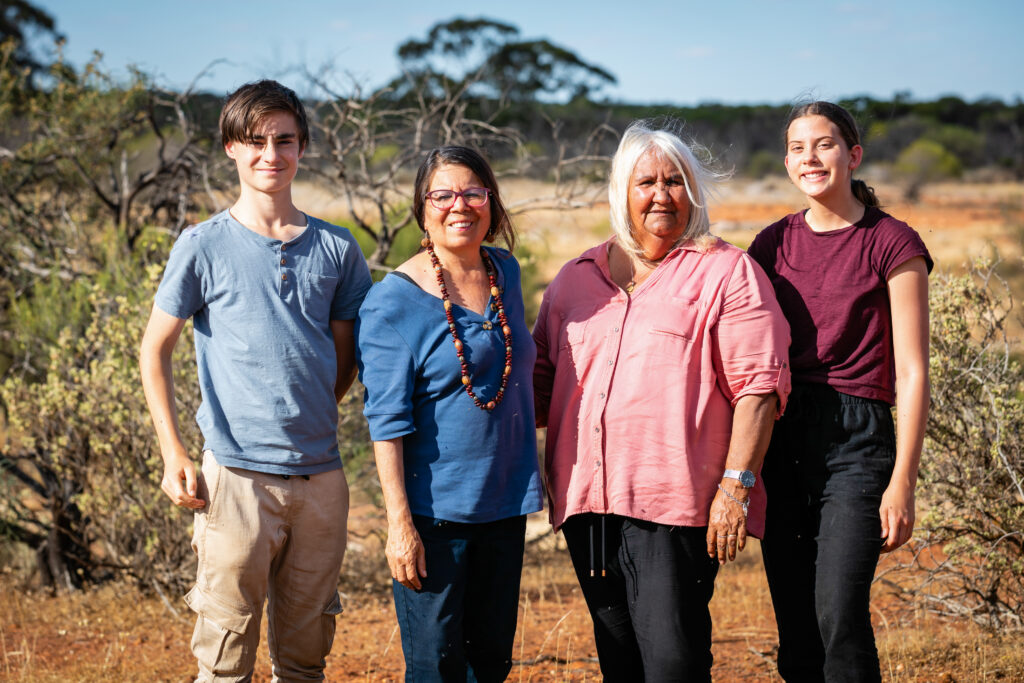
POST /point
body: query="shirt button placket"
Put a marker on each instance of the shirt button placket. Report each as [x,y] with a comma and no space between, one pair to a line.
[283,262]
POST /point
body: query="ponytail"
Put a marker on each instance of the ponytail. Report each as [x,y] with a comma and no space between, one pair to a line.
[864,193]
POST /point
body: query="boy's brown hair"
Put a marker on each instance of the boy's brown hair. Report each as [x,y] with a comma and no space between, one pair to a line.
[245,109]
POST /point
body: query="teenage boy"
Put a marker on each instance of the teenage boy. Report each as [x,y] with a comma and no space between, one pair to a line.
[272,294]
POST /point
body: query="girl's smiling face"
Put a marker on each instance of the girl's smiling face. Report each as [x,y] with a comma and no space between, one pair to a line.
[818,160]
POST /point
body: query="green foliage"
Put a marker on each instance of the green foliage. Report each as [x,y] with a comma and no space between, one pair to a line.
[763,163]
[926,161]
[82,459]
[972,471]
[489,57]
[19,22]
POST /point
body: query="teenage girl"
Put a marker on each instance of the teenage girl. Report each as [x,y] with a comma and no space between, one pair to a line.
[852,281]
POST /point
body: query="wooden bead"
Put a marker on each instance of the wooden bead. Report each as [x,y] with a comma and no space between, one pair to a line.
[487,325]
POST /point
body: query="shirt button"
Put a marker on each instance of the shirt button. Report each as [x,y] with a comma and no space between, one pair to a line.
[597,429]
[284,276]
[283,261]
[601,395]
[610,362]
[283,247]
[615,329]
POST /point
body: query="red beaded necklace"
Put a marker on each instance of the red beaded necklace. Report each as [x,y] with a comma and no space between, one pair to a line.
[505,329]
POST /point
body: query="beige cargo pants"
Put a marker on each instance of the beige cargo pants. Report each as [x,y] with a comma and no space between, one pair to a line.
[267,537]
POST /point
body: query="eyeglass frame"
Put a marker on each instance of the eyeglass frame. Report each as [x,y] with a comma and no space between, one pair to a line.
[455,197]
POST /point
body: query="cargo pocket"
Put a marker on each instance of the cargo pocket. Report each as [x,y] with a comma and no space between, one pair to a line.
[328,624]
[220,641]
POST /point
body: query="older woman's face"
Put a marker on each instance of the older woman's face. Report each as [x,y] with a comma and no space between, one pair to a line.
[461,227]
[659,208]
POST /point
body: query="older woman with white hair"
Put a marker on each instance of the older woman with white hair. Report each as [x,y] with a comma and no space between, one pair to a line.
[661,367]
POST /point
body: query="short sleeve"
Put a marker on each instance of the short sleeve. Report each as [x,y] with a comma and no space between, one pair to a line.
[353,284]
[387,371]
[762,249]
[181,290]
[897,244]
[751,349]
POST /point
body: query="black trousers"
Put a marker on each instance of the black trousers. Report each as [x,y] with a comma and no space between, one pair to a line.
[650,609]
[830,460]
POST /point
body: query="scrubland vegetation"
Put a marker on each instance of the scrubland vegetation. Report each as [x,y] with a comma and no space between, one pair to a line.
[98,176]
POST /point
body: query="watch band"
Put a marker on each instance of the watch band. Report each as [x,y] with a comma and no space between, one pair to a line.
[745,477]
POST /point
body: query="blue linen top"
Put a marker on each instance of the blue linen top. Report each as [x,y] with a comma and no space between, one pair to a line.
[462,464]
[261,309]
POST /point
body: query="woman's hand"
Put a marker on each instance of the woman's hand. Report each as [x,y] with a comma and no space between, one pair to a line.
[405,554]
[404,550]
[897,515]
[727,522]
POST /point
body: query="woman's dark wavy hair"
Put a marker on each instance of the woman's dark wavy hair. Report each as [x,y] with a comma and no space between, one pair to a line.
[847,129]
[501,224]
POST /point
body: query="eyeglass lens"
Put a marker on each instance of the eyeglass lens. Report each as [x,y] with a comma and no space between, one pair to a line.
[445,199]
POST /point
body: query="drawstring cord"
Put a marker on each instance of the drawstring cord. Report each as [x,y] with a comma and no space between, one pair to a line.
[593,572]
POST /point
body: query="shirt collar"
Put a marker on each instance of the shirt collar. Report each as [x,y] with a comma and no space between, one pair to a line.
[599,253]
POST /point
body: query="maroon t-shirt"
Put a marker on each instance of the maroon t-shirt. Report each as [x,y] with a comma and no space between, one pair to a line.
[832,289]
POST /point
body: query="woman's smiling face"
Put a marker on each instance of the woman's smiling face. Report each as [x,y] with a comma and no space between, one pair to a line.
[817,159]
[460,227]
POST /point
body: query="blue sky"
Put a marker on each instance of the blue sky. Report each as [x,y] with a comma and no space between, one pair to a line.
[729,51]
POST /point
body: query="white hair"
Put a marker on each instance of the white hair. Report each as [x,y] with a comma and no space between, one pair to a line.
[664,135]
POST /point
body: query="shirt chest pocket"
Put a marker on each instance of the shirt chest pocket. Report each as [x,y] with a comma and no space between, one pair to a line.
[572,327]
[682,322]
[317,293]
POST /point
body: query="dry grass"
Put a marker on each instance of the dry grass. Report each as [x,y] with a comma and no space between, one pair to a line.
[115,634]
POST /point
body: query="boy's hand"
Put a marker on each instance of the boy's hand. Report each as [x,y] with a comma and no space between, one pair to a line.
[179,482]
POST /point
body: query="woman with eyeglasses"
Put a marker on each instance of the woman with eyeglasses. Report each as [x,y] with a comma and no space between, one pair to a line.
[447,362]
[661,365]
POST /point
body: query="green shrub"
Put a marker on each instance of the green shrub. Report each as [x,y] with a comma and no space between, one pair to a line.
[970,539]
[82,468]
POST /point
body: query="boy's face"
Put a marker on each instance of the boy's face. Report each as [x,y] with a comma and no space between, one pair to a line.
[267,163]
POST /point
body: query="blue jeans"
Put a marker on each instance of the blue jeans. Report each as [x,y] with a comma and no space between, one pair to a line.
[647,586]
[461,625]
[830,460]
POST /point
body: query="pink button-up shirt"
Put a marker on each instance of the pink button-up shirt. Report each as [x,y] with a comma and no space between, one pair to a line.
[637,392]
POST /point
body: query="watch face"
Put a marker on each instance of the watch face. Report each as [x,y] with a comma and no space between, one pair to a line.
[747,478]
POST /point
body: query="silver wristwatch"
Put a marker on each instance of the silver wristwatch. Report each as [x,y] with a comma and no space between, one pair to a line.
[745,477]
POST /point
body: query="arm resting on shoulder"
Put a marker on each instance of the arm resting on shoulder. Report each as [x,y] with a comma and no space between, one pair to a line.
[752,423]
[162,332]
[405,552]
[908,298]
[343,332]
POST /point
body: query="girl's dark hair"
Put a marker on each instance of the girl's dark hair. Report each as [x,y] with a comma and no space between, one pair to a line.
[501,224]
[245,109]
[847,129]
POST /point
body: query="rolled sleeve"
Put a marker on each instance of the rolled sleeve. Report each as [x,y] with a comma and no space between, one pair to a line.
[751,337]
[544,368]
[387,370]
